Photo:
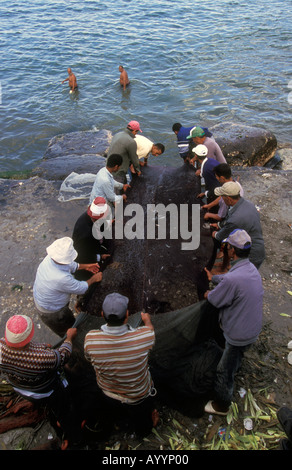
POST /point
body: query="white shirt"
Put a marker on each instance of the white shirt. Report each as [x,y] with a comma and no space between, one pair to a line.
[54,285]
[144,146]
[104,186]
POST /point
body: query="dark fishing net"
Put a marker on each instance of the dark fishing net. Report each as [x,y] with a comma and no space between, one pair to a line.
[156,274]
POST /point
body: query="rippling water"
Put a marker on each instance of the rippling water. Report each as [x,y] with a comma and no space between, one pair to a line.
[188,61]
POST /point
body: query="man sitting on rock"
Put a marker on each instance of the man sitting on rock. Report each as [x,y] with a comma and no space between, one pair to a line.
[33,369]
[119,355]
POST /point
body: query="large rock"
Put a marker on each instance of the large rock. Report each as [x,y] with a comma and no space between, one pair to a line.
[80,152]
[60,167]
[244,145]
[79,143]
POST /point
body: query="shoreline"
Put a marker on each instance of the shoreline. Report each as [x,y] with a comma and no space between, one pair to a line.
[32,217]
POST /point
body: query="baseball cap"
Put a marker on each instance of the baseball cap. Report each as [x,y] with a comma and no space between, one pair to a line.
[239,238]
[134,126]
[115,304]
[62,251]
[200,150]
[196,132]
[19,331]
[231,188]
[97,208]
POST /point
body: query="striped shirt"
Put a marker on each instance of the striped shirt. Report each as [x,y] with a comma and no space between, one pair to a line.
[119,356]
[33,367]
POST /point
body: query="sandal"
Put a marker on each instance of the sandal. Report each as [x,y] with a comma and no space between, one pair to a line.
[210,409]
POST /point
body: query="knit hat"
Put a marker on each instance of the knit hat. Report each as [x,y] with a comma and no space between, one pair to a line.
[19,331]
[200,150]
[98,208]
[196,132]
[62,251]
[115,304]
[134,126]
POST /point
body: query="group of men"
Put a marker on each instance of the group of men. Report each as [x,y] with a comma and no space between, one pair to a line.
[72,80]
[236,228]
[117,352]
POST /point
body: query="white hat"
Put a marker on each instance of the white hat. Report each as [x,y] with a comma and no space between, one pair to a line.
[62,251]
[231,188]
[200,150]
[97,208]
[239,238]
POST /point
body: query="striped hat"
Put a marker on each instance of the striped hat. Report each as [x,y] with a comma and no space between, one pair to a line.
[98,208]
[19,331]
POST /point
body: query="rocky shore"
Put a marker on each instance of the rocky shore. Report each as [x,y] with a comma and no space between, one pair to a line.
[32,217]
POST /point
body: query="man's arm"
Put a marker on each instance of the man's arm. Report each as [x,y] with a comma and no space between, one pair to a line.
[134,157]
[147,320]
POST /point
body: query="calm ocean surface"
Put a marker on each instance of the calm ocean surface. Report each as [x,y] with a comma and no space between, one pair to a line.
[188,61]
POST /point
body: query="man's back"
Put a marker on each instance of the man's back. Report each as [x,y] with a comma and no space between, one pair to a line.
[239,296]
[245,216]
[119,356]
[214,150]
[124,144]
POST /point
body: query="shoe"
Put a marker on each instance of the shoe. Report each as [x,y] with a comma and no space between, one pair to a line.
[284,415]
[285,444]
[210,409]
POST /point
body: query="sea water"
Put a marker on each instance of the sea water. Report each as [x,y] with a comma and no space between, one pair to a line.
[188,61]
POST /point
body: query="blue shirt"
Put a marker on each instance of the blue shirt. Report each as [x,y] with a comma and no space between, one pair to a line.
[54,284]
[239,297]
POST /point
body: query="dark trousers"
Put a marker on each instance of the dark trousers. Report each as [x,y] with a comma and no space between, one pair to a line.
[59,322]
[228,365]
[139,415]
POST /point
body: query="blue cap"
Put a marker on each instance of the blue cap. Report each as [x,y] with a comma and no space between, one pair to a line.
[115,304]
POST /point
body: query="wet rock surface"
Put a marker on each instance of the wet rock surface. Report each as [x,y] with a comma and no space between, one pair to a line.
[244,145]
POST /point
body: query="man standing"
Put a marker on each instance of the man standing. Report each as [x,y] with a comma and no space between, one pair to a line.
[244,215]
[124,80]
[54,284]
[72,81]
[119,355]
[123,143]
[198,136]
[239,297]
[182,133]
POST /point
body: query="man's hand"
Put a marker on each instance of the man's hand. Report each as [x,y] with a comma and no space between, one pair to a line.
[125,187]
[71,333]
[95,278]
[209,274]
[92,267]
[206,294]
[201,195]
[147,320]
